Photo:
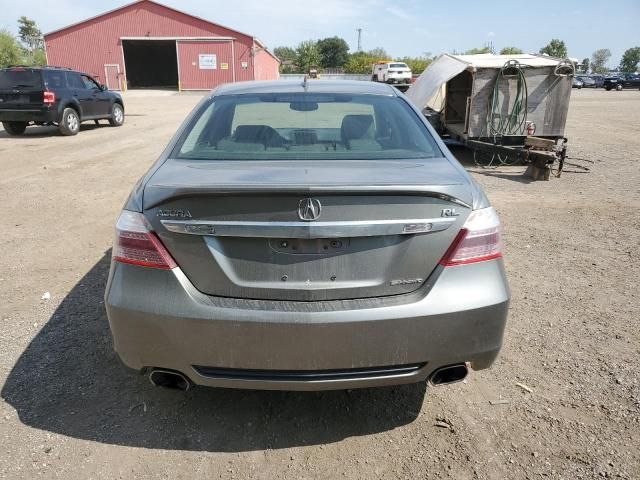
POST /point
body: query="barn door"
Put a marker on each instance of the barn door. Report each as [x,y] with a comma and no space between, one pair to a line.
[112,76]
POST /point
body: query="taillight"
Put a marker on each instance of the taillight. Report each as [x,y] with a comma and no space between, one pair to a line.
[49,97]
[137,244]
[477,241]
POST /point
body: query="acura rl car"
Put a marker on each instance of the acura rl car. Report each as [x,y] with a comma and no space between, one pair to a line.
[306,236]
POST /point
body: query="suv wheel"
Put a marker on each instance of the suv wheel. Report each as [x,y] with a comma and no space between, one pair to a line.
[607,87]
[117,115]
[618,87]
[70,123]
[14,128]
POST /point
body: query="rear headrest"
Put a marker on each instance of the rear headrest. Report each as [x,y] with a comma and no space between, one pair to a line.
[355,127]
[263,134]
[250,133]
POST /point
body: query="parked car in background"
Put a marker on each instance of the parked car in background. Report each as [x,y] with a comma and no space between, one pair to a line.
[577,83]
[622,81]
[391,72]
[599,79]
[587,82]
[306,236]
[54,96]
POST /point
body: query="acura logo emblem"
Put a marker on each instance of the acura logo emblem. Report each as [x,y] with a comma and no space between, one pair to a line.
[309,209]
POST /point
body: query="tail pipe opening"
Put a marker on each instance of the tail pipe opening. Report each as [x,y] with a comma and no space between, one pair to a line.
[169,379]
[449,374]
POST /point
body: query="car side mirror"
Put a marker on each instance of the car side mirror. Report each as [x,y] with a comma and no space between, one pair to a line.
[103,88]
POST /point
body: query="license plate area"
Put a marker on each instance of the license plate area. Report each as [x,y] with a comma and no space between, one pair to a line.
[14,98]
[314,246]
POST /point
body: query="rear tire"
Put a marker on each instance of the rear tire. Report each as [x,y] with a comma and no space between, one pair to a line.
[607,88]
[14,128]
[117,115]
[70,122]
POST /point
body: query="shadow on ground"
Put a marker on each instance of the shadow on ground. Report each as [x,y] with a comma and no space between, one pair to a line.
[51,131]
[69,381]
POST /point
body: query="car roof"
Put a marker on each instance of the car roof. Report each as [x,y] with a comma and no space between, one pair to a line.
[300,86]
[43,68]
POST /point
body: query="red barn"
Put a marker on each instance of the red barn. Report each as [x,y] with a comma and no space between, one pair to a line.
[146,44]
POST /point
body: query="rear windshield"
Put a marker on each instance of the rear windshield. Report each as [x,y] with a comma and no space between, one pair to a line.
[15,79]
[306,126]
[398,65]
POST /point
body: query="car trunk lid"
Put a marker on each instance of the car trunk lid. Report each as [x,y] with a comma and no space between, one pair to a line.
[305,231]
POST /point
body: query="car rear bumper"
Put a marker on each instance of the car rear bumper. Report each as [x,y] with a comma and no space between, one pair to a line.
[158,319]
[399,80]
[45,115]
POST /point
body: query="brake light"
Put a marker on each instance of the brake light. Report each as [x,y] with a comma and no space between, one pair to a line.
[49,97]
[477,241]
[137,244]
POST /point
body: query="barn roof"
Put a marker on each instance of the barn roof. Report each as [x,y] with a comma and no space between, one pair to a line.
[136,2]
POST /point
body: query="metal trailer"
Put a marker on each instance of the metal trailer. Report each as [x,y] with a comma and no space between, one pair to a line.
[506,108]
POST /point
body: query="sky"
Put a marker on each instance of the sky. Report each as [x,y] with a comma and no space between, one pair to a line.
[402,28]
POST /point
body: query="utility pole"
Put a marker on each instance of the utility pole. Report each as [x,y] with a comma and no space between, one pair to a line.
[359,30]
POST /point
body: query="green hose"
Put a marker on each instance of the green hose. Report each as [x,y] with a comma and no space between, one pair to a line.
[514,121]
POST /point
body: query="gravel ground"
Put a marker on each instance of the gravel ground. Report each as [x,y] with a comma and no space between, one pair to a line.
[562,401]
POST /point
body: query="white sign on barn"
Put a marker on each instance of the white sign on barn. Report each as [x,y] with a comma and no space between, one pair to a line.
[207,61]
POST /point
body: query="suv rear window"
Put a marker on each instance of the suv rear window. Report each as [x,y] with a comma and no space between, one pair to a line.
[306,126]
[20,78]
[398,65]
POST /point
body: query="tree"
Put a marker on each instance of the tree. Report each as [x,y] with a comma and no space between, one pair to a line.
[307,55]
[10,53]
[476,51]
[334,52]
[599,60]
[287,56]
[510,51]
[30,35]
[585,65]
[359,62]
[555,48]
[416,64]
[630,60]
[32,42]
[379,54]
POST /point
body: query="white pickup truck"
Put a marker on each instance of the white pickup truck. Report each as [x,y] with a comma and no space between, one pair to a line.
[391,72]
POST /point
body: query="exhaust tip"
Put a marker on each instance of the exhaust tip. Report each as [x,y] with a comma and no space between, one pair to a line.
[169,379]
[450,374]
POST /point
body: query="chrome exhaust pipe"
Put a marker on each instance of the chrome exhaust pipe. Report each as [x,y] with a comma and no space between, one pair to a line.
[169,379]
[449,374]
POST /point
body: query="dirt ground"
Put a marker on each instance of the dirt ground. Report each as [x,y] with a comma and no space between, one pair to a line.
[71,411]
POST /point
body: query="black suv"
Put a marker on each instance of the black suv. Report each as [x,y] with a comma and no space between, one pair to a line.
[622,80]
[54,96]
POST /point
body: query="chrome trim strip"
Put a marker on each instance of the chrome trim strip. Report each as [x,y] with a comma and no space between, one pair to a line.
[341,229]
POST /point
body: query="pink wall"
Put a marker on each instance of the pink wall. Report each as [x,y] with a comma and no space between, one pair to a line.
[265,66]
[92,44]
